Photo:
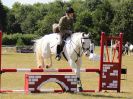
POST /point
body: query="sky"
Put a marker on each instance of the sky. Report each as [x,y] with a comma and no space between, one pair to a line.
[9,3]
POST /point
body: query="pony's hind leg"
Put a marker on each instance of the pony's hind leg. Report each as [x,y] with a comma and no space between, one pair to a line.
[40,61]
[50,63]
[47,63]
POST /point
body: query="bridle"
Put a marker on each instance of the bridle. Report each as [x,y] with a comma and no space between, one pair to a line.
[85,49]
[79,54]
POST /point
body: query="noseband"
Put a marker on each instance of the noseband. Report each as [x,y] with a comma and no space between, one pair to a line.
[84,49]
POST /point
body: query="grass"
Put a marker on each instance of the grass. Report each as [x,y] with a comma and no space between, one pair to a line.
[89,80]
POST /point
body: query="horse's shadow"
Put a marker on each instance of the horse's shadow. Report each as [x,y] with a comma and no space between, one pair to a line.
[101,95]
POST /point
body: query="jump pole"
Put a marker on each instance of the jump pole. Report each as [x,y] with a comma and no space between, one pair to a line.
[43,91]
[0,57]
[47,70]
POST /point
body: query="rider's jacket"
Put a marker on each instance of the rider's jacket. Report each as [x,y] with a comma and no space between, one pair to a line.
[66,25]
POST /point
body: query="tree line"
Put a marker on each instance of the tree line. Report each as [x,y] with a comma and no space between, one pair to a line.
[94,16]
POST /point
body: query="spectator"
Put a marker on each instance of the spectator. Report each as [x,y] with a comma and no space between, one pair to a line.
[126,48]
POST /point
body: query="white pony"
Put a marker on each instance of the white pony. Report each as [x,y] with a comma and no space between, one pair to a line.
[75,46]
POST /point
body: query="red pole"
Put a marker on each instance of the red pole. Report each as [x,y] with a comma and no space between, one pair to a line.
[120,59]
[101,59]
[0,58]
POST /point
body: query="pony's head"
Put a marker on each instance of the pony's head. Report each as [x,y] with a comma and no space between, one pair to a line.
[85,42]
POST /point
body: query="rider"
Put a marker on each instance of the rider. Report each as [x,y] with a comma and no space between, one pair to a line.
[65,28]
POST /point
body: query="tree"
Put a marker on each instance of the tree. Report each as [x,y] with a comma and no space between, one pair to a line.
[102,17]
[28,25]
[92,16]
[13,26]
[123,20]
[92,5]
[84,22]
[2,17]
[45,26]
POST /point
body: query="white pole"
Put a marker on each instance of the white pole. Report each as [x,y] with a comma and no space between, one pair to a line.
[111,50]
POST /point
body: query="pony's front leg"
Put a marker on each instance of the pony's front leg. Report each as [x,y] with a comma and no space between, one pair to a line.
[79,84]
[76,69]
[79,62]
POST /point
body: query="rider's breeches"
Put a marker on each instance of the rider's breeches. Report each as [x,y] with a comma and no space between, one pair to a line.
[61,41]
[63,35]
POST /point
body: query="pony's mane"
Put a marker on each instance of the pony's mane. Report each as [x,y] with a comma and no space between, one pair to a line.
[77,34]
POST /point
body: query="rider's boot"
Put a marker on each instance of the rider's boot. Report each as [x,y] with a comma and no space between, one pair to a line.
[58,55]
[59,50]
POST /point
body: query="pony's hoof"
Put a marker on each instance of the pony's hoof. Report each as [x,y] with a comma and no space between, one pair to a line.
[79,89]
[48,66]
[58,57]
[40,67]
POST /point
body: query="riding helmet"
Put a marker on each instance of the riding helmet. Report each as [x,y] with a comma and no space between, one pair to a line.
[69,10]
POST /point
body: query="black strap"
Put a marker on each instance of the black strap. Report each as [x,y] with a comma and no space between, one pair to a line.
[64,56]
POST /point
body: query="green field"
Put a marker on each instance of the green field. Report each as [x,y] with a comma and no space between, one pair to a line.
[89,80]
